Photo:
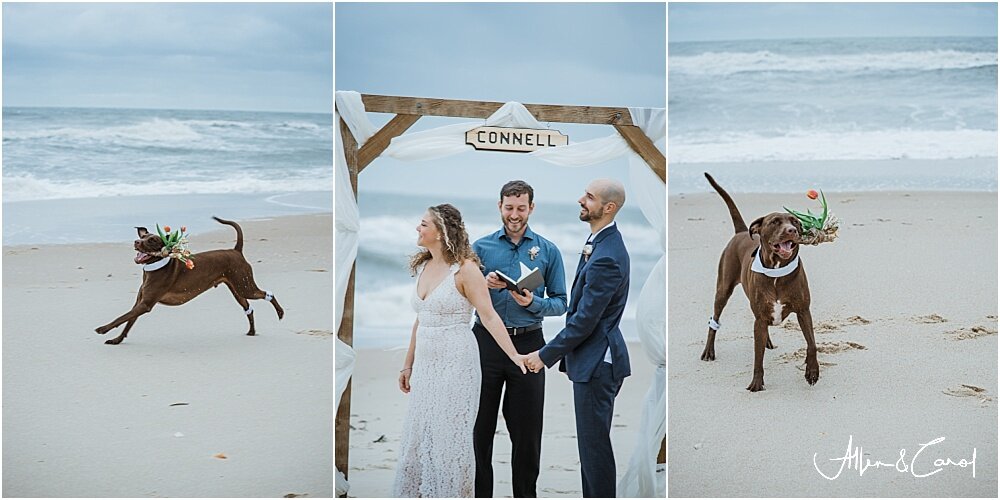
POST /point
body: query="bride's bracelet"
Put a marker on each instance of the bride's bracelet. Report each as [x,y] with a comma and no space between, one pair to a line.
[404,369]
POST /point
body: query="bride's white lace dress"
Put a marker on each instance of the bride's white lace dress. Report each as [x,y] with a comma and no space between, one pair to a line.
[436,457]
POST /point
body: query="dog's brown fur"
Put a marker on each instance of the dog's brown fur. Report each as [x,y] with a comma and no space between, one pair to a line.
[764,293]
[175,284]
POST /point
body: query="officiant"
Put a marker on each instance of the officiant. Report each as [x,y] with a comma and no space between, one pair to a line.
[508,249]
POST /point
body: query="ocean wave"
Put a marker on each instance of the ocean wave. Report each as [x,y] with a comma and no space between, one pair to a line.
[386,307]
[393,237]
[27,187]
[391,307]
[169,132]
[815,146]
[728,63]
[301,126]
[156,130]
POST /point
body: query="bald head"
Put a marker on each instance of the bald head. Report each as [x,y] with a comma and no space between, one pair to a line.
[609,191]
[601,202]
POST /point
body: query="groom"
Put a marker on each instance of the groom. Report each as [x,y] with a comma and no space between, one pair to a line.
[591,348]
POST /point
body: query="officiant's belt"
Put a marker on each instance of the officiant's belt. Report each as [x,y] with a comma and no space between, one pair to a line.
[519,330]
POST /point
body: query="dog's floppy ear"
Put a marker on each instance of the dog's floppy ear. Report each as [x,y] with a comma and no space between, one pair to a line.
[142,231]
[755,225]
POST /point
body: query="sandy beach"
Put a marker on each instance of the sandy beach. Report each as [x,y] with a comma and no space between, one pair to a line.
[187,406]
[905,311]
[377,409]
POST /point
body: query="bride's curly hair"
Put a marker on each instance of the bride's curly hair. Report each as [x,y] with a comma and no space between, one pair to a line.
[457,249]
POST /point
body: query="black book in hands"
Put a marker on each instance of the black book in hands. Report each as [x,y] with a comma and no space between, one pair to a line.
[530,279]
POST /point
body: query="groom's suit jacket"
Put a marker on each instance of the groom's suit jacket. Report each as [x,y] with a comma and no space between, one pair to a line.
[595,310]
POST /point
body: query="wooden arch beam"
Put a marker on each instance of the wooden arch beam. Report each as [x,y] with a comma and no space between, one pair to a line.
[644,147]
[378,142]
[483,109]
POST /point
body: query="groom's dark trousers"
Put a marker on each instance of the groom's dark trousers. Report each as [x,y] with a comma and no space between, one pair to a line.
[595,403]
[597,301]
[522,410]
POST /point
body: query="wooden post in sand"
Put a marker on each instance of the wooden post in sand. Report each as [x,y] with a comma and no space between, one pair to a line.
[342,425]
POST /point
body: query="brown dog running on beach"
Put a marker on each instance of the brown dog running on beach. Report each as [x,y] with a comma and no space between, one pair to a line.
[765,259]
[173,284]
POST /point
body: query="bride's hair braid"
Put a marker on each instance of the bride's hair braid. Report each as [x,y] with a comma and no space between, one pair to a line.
[457,249]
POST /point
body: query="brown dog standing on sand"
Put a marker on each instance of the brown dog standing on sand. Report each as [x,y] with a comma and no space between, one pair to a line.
[765,259]
[173,284]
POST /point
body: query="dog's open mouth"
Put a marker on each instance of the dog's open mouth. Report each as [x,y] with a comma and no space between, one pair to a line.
[142,257]
[784,249]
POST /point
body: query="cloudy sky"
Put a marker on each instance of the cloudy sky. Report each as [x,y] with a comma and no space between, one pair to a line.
[557,53]
[754,21]
[267,57]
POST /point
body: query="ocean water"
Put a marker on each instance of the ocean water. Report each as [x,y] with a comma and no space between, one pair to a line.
[383,314]
[821,100]
[114,168]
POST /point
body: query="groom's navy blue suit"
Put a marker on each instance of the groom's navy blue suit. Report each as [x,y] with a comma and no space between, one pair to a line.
[597,302]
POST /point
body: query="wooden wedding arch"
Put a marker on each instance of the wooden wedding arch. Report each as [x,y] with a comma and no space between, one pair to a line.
[408,110]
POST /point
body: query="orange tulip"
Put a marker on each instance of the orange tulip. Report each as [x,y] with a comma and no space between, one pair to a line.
[184,229]
[812,194]
[189,264]
[166,229]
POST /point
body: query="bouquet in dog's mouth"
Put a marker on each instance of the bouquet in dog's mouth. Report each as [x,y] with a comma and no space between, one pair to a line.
[816,229]
[175,245]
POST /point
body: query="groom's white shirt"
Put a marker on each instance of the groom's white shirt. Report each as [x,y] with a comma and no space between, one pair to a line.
[607,353]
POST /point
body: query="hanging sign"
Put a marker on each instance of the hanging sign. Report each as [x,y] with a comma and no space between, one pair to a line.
[517,140]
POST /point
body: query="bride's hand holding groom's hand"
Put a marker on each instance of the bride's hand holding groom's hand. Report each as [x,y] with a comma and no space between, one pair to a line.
[520,360]
[534,362]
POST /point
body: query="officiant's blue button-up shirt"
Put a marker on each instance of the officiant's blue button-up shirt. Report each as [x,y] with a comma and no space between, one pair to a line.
[498,253]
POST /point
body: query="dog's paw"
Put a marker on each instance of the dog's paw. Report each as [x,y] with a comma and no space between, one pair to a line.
[114,341]
[102,329]
[756,385]
[812,374]
[708,355]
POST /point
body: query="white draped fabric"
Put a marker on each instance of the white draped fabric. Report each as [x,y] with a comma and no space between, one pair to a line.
[450,140]
[345,366]
[643,478]
[347,222]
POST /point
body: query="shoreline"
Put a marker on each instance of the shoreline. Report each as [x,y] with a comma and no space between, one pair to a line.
[113,219]
[949,175]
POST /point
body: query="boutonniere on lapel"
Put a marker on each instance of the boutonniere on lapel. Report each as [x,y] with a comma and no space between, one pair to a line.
[533,252]
[587,250]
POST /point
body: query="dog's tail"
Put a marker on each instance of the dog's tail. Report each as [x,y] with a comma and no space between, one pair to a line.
[239,232]
[733,211]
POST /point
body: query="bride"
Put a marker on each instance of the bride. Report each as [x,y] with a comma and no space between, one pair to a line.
[441,371]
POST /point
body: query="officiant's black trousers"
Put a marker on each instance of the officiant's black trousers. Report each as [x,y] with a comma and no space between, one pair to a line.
[522,410]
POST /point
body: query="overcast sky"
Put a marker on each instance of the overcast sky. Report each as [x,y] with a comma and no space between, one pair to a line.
[753,21]
[557,53]
[267,57]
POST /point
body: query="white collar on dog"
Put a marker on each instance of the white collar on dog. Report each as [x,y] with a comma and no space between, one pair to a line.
[758,267]
[160,264]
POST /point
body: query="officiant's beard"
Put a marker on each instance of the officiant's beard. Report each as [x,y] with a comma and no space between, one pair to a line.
[589,215]
[514,227]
